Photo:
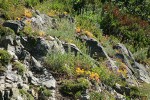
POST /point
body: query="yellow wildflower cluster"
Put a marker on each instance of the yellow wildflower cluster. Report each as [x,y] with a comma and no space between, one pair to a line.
[27,13]
[91,75]
[80,71]
[94,76]
[89,34]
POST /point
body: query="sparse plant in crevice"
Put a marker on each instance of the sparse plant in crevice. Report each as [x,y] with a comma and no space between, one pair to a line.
[46,92]
[19,67]
[26,95]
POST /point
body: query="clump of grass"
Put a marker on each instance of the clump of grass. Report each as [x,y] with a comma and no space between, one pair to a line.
[19,67]
[46,92]
[65,31]
[67,62]
[26,95]
[104,95]
[5,57]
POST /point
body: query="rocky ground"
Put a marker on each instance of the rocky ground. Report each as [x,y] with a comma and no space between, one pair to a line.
[29,52]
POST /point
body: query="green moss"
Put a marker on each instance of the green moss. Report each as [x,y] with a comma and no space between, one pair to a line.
[5,57]
[19,67]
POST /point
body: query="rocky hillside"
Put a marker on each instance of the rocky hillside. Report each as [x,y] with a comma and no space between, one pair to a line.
[53,56]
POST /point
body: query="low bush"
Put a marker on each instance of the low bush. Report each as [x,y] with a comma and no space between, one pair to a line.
[72,87]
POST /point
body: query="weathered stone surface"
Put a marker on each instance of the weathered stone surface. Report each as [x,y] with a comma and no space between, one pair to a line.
[11,76]
[43,22]
[15,25]
[141,72]
[6,40]
[50,83]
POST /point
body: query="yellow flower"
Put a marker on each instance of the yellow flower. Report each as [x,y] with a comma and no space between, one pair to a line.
[18,18]
[89,34]
[80,71]
[27,13]
[87,72]
[92,75]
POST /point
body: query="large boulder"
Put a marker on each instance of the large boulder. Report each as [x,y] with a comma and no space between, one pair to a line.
[40,47]
[135,70]
[95,48]
[15,25]
[43,22]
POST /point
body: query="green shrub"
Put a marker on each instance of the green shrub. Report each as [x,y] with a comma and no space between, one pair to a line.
[5,57]
[72,87]
[19,67]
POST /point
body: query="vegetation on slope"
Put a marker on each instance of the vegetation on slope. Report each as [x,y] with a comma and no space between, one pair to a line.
[107,21]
